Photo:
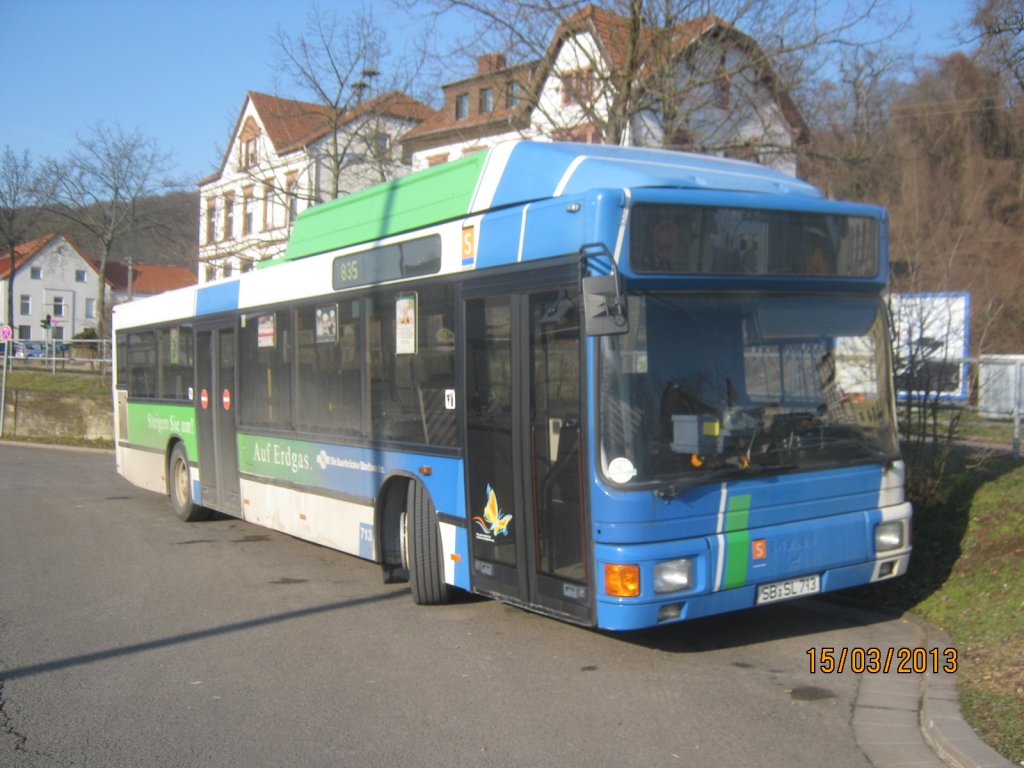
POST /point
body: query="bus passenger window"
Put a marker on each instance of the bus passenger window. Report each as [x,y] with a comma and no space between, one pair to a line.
[264,380]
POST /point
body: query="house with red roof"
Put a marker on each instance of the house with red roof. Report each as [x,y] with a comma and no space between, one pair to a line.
[285,156]
[52,279]
[701,85]
[146,279]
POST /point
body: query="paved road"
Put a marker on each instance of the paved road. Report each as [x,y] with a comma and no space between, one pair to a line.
[128,638]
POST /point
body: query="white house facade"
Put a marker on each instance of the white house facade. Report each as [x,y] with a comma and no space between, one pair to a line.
[51,279]
[285,156]
[724,103]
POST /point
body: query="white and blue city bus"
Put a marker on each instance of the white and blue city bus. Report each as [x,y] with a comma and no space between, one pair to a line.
[622,387]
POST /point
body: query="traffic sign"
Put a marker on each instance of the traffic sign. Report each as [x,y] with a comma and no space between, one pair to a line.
[6,333]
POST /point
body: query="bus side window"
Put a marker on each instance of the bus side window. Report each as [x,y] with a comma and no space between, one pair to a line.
[265,371]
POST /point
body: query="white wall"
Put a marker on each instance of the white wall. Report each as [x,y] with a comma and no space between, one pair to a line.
[58,263]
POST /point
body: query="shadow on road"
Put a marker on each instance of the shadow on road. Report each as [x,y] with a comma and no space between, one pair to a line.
[202,634]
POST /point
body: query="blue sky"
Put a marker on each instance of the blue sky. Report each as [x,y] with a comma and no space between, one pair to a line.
[178,70]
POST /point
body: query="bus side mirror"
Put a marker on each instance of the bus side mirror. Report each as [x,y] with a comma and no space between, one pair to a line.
[604,310]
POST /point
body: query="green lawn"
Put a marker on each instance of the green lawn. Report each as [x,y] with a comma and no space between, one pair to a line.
[967,576]
[65,383]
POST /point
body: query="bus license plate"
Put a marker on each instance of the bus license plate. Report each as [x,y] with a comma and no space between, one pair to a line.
[784,590]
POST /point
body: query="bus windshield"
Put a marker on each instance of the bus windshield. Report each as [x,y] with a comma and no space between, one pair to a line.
[705,388]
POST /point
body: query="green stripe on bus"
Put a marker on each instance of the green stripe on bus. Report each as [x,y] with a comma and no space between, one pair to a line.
[151,425]
[437,194]
[737,541]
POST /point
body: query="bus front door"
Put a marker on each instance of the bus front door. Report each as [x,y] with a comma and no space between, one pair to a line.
[215,419]
[524,451]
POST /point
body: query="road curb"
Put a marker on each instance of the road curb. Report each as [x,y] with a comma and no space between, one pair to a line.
[944,729]
[913,719]
[54,446]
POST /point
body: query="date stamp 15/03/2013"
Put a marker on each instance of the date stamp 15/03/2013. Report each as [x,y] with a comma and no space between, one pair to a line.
[904,661]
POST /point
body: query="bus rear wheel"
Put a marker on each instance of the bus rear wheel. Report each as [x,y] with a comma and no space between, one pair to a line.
[421,549]
[179,487]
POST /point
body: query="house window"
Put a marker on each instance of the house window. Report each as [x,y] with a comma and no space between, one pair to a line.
[250,153]
[36,273]
[90,309]
[57,332]
[211,221]
[227,269]
[583,134]
[229,216]
[58,306]
[437,159]
[26,304]
[579,87]
[25,332]
[291,189]
[79,275]
[723,84]
[513,93]
[211,273]
[247,211]
[486,100]
[383,143]
[268,205]
[462,106]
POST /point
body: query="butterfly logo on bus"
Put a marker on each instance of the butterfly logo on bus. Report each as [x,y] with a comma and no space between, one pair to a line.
[493,522]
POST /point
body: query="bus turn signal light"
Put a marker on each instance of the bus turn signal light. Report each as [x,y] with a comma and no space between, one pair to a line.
[621,580]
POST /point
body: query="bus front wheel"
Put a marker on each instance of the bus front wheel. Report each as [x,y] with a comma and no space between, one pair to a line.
[179,486]
[421,549]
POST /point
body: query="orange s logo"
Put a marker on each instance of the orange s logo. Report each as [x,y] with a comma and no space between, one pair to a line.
[759,549]
[468,244]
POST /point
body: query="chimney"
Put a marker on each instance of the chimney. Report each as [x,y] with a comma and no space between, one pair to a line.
[489,62]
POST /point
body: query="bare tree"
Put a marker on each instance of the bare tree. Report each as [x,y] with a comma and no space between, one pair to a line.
[98,186]
[854,151]
[1000,28]
[360,111]
[689,71]
[17,210]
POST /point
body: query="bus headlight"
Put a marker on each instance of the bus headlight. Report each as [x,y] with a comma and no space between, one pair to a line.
[673,575]
[889,536]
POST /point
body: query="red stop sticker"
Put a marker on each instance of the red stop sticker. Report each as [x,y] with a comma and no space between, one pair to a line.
[204,399]
[227,400]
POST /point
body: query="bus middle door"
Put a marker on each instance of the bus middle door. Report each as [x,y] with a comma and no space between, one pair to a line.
[524,453]
[216,432]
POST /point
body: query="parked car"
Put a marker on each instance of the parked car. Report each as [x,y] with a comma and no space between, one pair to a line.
[27,350]
[30,349]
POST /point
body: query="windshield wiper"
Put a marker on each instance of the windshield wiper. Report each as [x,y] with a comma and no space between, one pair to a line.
[672,490]
[819,442]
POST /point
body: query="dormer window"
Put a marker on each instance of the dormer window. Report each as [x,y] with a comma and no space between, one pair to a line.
[462,106]
[579,87]
[250,153]
[486,100]
[248,144]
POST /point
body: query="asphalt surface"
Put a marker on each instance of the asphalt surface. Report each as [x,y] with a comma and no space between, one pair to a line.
[128,638]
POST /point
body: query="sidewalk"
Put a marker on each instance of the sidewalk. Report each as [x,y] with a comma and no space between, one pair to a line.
[904,720]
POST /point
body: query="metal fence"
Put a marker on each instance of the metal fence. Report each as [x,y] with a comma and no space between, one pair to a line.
[75,355]
[990,387]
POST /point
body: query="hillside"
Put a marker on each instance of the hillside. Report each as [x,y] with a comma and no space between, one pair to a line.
[171,241]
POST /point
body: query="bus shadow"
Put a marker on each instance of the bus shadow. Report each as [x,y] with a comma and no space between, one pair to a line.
[811,616]
[189,637]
